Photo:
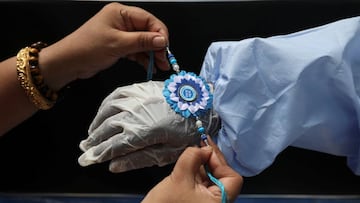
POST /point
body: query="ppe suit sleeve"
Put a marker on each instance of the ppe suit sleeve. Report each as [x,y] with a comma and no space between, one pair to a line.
[296,90]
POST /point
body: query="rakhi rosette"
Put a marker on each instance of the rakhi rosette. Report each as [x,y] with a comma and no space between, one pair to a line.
[188,94]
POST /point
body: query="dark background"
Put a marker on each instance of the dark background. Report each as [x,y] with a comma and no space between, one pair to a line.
[40,155]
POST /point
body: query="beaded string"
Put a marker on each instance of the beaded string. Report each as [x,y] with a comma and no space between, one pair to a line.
[176,68]
[150,66]
[186,93]
[200,128]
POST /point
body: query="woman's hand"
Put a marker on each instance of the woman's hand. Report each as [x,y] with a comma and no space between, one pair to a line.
[188,181]
[114,32]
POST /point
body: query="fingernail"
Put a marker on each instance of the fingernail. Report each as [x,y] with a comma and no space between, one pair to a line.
[159,41]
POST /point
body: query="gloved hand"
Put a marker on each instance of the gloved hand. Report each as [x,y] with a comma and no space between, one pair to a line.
[135,128]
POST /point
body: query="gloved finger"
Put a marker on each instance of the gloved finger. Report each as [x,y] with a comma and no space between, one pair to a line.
[111,106]
[127,97]
[159,155]
[95,139]
[137,115]
[106,114]
[139,90]
[110,127]
[104,151]
[88,158]
[128,141]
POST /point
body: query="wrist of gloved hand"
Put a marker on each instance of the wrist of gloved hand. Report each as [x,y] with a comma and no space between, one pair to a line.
[211,120]
[136,128]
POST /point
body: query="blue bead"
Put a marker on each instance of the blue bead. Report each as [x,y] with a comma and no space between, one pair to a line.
[172,60]
[201,130]
[170,55]
[203,137]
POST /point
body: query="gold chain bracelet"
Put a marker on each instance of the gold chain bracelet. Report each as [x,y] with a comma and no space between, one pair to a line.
[30,78]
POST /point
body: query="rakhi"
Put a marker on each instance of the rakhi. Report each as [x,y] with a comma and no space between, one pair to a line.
[189,95]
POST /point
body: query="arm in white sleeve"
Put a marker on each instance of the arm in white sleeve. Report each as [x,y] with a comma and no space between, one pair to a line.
[300,90]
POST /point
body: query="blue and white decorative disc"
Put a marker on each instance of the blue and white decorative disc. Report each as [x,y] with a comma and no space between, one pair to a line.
[188,94]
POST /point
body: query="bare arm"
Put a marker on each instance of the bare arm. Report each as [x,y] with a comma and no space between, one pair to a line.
[14,104]
[116,31]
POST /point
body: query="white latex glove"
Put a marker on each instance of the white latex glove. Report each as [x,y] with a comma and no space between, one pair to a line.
[135,128]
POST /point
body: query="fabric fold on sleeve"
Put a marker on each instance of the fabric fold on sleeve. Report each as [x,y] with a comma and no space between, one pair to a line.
[300,89]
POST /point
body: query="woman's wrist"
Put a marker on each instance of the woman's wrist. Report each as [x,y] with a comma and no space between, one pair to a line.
[55,69]
[42,72]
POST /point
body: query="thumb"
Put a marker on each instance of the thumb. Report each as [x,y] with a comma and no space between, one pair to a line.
[189,163]
[145,41]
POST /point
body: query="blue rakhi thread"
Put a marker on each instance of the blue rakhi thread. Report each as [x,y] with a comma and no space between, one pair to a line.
[150,66]
[189,95]
[192,91]
[217,182]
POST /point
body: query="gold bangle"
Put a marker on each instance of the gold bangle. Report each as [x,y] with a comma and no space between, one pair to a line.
[24,75]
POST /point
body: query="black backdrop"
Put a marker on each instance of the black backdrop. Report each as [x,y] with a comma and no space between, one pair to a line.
[40,155]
